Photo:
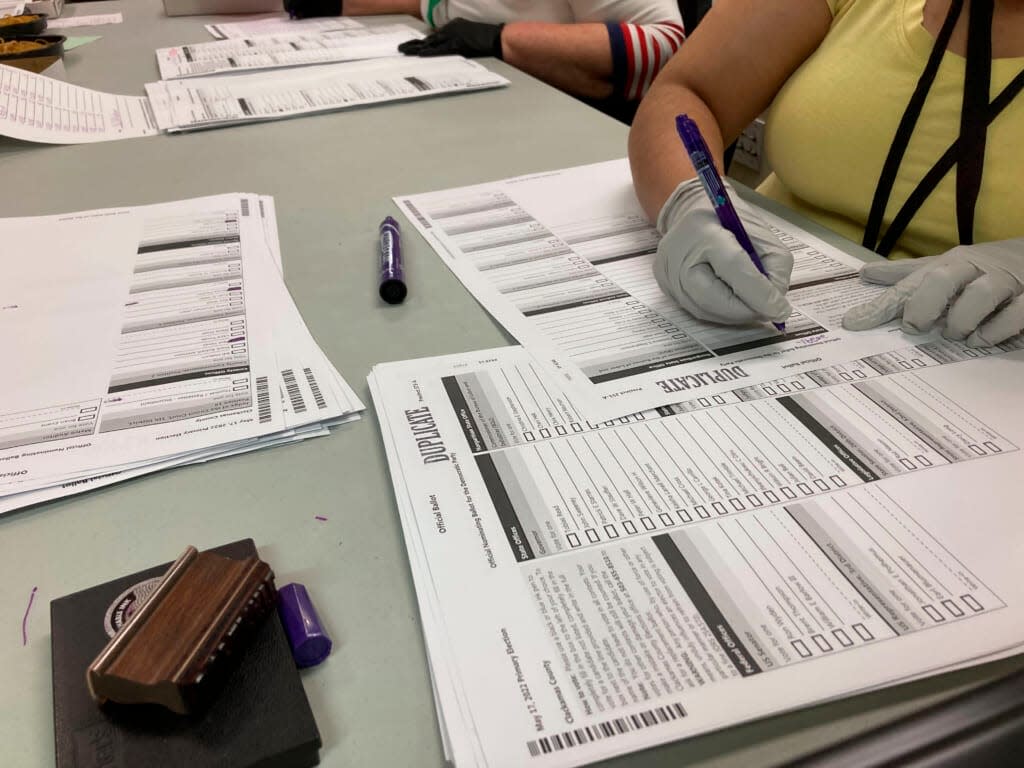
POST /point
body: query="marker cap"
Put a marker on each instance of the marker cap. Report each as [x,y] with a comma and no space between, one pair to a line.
[393,291]
[310,644]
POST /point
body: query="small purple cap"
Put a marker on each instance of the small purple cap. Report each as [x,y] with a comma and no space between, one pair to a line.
[310,644]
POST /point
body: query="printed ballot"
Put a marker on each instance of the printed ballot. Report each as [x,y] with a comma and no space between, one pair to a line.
[590,589]
[564,259]
[279,51]
[167,337]
[221,100]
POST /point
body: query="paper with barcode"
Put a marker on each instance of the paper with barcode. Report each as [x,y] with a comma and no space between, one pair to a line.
[280,51]
[592,589]
[167,337]
[119,360]
[210,102]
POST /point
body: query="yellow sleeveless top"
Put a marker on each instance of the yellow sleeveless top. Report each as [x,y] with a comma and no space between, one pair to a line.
[831,126]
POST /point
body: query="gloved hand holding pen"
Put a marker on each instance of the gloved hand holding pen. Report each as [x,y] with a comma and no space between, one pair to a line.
[979,289]
[702,266]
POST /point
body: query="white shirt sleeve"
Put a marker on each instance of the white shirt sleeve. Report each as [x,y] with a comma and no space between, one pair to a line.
[631,11]
[440,12]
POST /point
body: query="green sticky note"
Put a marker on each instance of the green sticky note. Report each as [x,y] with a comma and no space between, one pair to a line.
[75,42]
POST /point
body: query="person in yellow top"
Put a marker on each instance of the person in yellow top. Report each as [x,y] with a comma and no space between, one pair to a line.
[898,123]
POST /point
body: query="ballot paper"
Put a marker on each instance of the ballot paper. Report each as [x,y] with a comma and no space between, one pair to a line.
[926,355]
[280,24]
[38,108]
[182,338]
[564,259]
[210,102]
[589,590]
[279,51]
[85,21]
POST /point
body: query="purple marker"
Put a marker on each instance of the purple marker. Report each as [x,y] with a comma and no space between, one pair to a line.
[392,282]
[689,133]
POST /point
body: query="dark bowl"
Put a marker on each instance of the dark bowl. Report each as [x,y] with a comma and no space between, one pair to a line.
[38,59]
[35,25]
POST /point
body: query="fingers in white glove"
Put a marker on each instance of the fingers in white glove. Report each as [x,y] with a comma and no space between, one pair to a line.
[1007,322]
[904,275]
[891,272]
[978,287]
[738,275]
[979,300]
[701,292]
[710,298]
[881,309]
[779,266]
[703,267]
[936,288]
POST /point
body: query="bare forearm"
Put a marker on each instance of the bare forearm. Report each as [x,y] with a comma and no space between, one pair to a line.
[381,7]
[722,77]
[657,157]
[574,57]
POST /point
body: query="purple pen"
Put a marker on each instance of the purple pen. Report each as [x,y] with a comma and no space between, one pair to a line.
[392,282]
[713,185]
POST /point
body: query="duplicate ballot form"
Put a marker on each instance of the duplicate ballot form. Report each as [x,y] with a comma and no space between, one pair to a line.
[589,589]
[564,261]
[639,527]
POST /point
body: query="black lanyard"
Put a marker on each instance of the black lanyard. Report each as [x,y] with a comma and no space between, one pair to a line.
[967,153]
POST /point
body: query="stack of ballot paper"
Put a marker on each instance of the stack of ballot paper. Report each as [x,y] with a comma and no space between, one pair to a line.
[284,50]
[260,70]
[272,68]
[591,589]
[221,100]
[137,339]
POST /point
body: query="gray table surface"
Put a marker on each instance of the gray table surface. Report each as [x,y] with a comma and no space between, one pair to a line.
[333,177]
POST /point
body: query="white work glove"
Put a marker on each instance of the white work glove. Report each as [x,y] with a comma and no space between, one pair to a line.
[701,265]
[977,287]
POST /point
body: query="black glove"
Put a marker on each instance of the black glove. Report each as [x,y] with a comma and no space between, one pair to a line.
[458,36]
[304,9]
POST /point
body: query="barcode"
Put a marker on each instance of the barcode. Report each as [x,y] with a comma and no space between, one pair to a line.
[615,727]
[244,201]
[294,395]
[262,399]
[419,216]
[418,84]
[315,389]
